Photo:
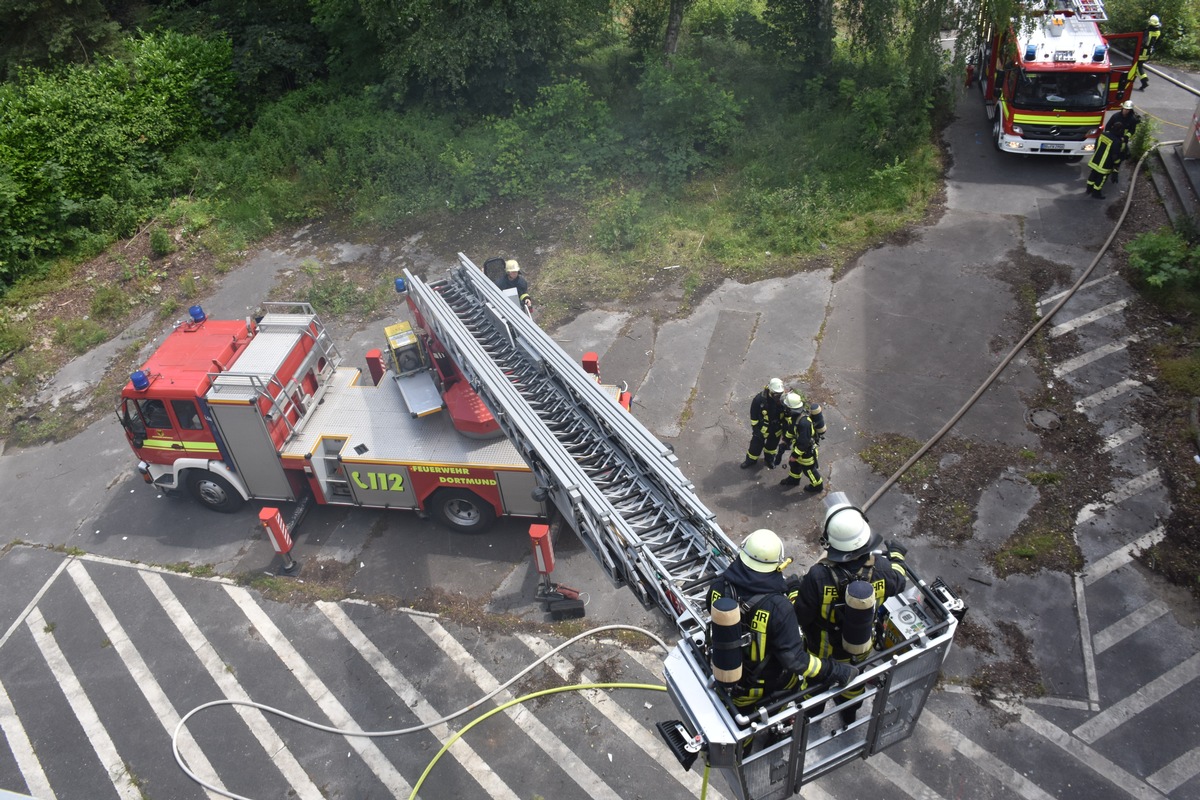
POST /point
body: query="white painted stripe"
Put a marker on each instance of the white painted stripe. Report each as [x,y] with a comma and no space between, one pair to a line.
[82,708]
[117,562]
[301,785]
[583,775]
[1178,772]
[141,674]
[1128,708]
[1054,298]
[1147,480]
[1107,395]
[371,755]
[1089,657]
[37,598]
[811,791]
[1122,437]
[1131,784]
[36,782]
[650,743]
[1122,556]
[1088,318]
[1072,364]
[901,778]
[1061,702]
[1013,780]
[476,767]
[1131,624]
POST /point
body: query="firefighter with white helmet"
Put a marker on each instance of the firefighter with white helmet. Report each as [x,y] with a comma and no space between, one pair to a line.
[774,659]
[1150,39]
[513,279]
[852,552]
[766,425]
[803,428]
[1130,120]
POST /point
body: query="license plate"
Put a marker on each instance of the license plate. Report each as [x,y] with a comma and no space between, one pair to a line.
[1052,147]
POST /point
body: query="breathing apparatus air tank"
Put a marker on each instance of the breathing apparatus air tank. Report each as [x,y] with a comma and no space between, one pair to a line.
[858,623]
[726,641]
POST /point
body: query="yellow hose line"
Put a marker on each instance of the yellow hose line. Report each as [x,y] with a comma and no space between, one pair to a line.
[575,688]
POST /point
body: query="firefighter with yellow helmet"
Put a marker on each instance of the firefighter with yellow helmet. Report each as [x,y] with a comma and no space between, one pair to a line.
[1150,39]
[856,573]
[767,417]
[513,279]
[803,428]
[773,657]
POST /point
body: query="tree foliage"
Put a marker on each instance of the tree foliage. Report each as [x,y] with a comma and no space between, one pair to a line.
[43,33]
[81,148]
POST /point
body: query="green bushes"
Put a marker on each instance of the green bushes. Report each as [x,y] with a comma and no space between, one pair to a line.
[1165,258]
[81,148]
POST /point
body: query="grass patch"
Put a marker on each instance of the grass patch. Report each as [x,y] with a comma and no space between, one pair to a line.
[1043,478]
[887,453]
[1036,547]
[79,335]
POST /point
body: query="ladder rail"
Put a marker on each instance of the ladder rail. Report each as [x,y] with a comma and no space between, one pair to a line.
[698,549]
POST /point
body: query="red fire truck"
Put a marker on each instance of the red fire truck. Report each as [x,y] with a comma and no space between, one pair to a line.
[1049,77]
[233,410]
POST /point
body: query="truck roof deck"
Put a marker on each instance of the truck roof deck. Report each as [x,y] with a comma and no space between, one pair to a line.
[190,352]
[376,417]
[277,339]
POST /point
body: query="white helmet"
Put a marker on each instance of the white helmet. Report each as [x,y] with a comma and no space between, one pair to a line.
[1127,105]
[512,266]
[793,401]
[847,534]
[775,386]
[762,551]
[1154,20]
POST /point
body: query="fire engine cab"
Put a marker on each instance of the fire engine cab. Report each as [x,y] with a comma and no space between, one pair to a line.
[265,409]
[1048,77]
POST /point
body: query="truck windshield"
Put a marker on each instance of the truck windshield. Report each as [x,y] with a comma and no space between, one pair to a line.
[1066,91]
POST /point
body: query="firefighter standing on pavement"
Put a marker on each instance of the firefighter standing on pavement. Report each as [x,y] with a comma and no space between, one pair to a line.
[1131,121]
[774,659]
[1107,155]
[766,425]
[803,428]
[853,552]
[1149,42]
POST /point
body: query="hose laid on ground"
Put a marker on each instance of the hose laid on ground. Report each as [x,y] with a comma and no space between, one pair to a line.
[974,398]
[182,762]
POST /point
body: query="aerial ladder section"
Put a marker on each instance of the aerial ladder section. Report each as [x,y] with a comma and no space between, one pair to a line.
[620,490]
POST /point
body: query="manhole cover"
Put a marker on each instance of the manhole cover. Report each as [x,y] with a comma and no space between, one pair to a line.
[1043,418]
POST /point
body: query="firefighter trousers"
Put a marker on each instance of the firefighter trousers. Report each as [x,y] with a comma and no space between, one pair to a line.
[1104,160]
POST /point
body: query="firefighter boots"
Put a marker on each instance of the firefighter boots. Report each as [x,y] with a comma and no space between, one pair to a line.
[748,462]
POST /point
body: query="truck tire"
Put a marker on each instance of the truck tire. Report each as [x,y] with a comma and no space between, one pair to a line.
[997,130]
[461,510]
[214,491]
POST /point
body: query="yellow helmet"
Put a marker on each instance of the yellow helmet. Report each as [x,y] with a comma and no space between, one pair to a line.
[512,266]
[762,551]
[775,386]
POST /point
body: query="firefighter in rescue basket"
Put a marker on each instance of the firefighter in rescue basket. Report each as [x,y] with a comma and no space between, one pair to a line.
[838,601]
[767,416]
[803,429]
[758,648]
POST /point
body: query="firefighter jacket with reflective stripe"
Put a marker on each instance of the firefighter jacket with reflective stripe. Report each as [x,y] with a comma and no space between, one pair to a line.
[767,414]
[820,600]
[774,660]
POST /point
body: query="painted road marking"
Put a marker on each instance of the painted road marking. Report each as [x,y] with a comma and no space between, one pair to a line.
[1106,769]
[1088,318]
[168,717]
[255,720]
[1178,772]
[83,709]
[476,767]
[1107,395]
[18,742]
[901,777]
[1054,298]
[1072,364]
[1131,624]
[591,783]
[1116,715]
[983,759]
[1122,437]
[1141,483]
[371,755]
[1119,558]
[619,717]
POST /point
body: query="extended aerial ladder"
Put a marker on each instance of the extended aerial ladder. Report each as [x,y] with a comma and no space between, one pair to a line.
[619,489]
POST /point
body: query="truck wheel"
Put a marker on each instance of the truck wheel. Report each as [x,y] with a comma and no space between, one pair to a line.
[461,510]
[214,491]
[997,130]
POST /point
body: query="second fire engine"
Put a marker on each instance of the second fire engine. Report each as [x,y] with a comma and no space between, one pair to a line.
[1049,77]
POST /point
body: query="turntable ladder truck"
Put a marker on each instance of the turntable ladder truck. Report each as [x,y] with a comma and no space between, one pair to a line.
[620,489]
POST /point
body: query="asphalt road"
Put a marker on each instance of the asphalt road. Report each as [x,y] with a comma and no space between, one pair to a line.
[898,343]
